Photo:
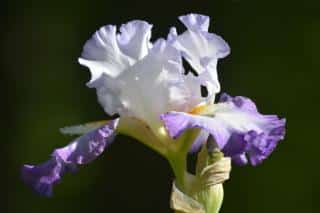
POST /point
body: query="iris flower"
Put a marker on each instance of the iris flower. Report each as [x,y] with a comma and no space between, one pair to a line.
[160,102]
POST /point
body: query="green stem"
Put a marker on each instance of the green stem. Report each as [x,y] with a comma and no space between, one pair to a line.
[179,167]
[177,157]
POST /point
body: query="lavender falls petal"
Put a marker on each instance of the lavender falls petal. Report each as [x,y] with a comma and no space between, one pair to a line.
[237,127]
[83,150]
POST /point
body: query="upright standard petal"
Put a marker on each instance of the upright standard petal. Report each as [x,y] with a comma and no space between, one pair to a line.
[131,77]
[108,53]
[195,22]
[237,127]
[202,50]
[134,38]
[83,150]
[134,79]
[149,88]
[101,54]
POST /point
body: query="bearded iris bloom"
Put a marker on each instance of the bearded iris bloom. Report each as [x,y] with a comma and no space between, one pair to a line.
[159,104]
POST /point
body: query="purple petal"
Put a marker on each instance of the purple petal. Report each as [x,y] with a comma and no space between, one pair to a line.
[236,145]
[83,150]
[202,137]
[89,146]
[261,145]
[239,130]
[240,101]
[240,160]
[43,176]
[178,122]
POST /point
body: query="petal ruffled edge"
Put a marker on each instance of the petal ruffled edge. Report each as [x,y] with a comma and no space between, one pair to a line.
[134,38]
[195,21]
[251,139]
[201,49]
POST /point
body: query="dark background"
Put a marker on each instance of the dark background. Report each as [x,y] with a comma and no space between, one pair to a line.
[274,60]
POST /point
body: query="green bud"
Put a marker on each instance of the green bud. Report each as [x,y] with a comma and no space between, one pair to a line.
[205,193]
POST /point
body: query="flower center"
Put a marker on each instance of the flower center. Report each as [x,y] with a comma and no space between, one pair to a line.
[198,109]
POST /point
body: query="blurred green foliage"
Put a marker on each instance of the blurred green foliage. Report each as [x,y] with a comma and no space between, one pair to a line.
[274,61]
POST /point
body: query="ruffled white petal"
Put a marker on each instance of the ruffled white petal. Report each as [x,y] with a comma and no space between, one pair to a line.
[148,88]
[202,54]
[101,54]
[134,39]
[195,22]
[202,50]
[110,53]
[133,77]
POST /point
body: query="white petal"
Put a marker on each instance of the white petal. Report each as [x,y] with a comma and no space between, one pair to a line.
[194,88]
[134,38]
[108,91]
[101,54]
[196,22]
[108,54]
[172,34]
[134,78]
[202,50]
[152,86]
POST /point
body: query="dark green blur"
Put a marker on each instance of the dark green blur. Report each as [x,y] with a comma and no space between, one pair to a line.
[274,60]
